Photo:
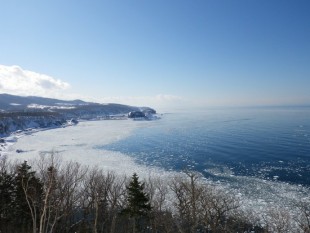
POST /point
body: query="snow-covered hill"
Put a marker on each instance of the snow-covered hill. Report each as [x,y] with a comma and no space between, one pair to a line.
[24,113]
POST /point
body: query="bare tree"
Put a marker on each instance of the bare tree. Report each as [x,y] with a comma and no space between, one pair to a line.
[103,198]
[278,220]
[157,191]
[96,188]
[201,206]
[217,207]
[3,164]
[117,200]
[187,193]
[303,219]
[48,166]
[162,219]
[70,180]
[31,188]
[62,188]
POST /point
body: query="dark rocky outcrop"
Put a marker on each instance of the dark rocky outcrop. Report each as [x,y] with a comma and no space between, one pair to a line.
[136,114]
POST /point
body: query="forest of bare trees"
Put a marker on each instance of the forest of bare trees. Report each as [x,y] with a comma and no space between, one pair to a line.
[55,196]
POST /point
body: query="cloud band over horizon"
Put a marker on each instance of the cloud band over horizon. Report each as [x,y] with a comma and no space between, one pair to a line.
[18,81]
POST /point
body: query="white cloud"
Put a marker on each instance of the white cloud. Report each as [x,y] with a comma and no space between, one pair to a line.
[17,81]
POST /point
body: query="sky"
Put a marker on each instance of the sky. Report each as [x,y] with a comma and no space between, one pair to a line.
[160,53]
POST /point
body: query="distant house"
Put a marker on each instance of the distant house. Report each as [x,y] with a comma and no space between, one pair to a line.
[136,114]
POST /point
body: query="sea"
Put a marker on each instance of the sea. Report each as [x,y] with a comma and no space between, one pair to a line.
[266,143]
[261,155]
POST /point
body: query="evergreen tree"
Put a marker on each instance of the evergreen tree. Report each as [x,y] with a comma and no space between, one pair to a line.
[7,196]
[138,205]
[137,200]
[28,197]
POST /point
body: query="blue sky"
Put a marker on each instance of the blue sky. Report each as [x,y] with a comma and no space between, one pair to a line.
[162,53]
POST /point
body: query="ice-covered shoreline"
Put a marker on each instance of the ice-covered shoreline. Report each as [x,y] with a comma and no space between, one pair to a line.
[78,143]
[9,139]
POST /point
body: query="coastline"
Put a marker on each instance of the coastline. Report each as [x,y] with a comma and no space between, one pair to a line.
[7,140]
[79,144]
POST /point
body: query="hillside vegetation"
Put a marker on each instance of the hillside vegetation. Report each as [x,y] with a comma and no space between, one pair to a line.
[54,196]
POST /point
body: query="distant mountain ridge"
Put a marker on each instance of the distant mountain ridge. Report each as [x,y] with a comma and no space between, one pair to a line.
[13,102]
[21,113]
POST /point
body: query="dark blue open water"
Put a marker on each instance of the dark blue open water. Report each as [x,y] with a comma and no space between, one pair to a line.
[268,143]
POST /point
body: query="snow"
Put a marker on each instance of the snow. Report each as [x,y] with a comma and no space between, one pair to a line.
[38,106]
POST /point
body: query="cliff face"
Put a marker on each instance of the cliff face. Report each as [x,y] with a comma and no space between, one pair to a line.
[13,121]
[9,124]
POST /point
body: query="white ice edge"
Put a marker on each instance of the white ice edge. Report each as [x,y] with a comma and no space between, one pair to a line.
[78,143]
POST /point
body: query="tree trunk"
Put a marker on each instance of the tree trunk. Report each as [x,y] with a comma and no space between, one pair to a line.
[96,215]
[113,223]
[134,225]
